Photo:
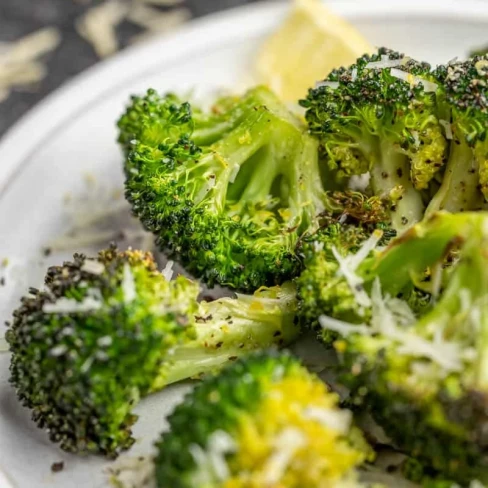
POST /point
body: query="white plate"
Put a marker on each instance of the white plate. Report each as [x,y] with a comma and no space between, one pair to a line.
[72,133]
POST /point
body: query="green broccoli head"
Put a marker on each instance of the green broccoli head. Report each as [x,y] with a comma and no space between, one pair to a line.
[322,287]
[90,345]
[462,98]
[379,116]
[264,421]
[106,332]
[424,375]
[227,193]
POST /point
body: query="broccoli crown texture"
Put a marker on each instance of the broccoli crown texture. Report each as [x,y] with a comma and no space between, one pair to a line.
[226,192]
[322,287]
[264,421]
[424,375]
[379,116]
[89,346]
[108,331]
[462,98]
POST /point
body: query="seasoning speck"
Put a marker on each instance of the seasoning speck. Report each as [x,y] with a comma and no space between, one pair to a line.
[57,467]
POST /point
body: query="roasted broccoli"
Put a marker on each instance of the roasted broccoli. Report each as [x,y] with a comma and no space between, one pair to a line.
[228,192]
[106,332]
[462,98]
[424,375]
[379,116]
[264,421]
[321,287]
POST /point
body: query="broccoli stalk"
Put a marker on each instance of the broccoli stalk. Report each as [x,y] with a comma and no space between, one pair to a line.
[228,328]
[390,178]
[462,101]
[263,421]
[107,332]
[424,375]
[227,193]
[379,116]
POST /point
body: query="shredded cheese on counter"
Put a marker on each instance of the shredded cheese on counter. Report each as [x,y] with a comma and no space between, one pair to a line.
[19,61]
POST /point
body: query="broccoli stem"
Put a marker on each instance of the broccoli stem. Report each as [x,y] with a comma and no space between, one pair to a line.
[229,328]
[262,156]
[227,115]
[390,178]
[430,241]
[459,189]
[261,181]
[308,196]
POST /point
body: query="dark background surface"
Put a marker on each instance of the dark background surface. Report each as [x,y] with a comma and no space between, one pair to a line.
[21,17]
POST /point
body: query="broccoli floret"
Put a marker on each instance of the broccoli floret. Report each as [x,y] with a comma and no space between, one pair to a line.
[321,287]
[227,193]
[424,375]
[463,103]
[264,421]
[379,116]
[106,332]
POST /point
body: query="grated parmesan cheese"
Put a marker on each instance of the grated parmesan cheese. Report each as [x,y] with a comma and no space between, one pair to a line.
[211,463]
[235,171]
[93,267]
[342,327]
[168,271]
[331,84]
[340,420]
[287,443]
[349,264]
[69,305]
[359,182]
[19,61]
[128,284]
[131,472]
[447,127]
[220,444]
[385,62]
[413,80]
[416,138]
[391,317]
[155,21]
[98,26]
[388,319]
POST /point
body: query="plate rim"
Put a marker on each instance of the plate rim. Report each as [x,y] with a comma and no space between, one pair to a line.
[77,92]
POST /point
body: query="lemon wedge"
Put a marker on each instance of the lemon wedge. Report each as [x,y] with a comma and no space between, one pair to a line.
[307,46]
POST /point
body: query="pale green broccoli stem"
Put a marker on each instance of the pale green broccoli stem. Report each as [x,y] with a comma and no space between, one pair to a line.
[390,178]
[225,158]
[209,128]
[308,196]
[429,241]
[459,190]
[294,156]
[273,147]
[481,156]
[229,328]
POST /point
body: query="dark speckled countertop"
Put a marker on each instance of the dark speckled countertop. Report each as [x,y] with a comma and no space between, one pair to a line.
[21,17]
